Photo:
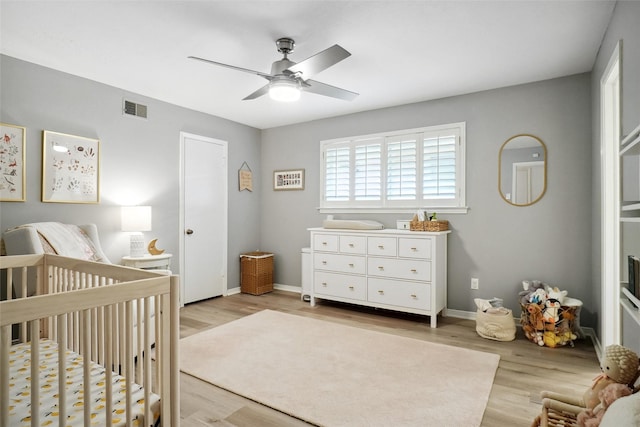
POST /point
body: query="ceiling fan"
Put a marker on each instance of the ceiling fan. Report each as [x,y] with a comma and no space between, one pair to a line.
[288,78]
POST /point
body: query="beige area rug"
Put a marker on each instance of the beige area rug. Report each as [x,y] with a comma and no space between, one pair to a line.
[334,375]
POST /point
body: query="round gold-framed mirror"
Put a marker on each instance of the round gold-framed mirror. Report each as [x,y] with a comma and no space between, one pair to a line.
[522,170]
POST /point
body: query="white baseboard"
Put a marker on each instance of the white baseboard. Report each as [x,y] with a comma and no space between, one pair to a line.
[288,288]
[459,314]
[233,291]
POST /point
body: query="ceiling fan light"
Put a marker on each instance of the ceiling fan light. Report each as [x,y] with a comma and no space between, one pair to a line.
[284,91]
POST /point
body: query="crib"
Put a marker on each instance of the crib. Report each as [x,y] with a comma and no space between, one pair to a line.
[67,353]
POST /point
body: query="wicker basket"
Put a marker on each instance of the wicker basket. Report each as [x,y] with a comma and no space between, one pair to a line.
[256,277]
[438,225]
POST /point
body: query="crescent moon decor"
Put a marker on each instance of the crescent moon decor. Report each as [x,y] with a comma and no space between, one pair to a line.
[152,248]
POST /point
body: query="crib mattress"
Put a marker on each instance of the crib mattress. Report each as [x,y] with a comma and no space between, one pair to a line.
[20,396]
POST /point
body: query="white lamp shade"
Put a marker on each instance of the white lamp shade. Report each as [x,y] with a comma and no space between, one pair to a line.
[136,218]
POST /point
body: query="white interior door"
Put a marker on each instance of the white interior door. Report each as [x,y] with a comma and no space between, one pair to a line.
[528,182]
[203,252]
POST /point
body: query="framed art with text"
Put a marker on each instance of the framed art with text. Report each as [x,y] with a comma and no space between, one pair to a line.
[70,168]
[12,163]
[288,180]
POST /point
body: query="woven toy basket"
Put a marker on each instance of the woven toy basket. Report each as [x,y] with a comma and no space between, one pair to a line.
[438,225]
[256,276]
[497,325]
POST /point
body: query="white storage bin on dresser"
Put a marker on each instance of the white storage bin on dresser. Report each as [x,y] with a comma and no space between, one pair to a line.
[392,269]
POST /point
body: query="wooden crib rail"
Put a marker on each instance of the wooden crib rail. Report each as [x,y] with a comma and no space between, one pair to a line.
[97,304]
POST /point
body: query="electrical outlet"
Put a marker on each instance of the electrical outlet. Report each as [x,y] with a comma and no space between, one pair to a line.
[475,283]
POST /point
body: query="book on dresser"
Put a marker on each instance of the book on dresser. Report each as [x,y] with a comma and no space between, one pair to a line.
[634,276]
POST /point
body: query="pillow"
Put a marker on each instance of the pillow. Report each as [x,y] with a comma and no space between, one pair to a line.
[623,412]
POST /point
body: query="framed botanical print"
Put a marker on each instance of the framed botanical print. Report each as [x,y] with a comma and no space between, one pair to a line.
[70,168]
[12,163]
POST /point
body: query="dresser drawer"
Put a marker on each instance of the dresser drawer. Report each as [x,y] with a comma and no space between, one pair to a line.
[341,263]
[353,245]
[399,294]
[382,246]
[411,269]
[325,242]
[340,285]
[414,248]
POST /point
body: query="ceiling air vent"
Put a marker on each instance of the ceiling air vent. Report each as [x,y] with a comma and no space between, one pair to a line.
[133,109]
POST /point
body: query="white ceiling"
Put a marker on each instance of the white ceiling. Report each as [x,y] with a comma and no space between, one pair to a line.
[402,51]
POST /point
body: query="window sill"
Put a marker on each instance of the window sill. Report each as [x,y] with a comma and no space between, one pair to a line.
[438,210]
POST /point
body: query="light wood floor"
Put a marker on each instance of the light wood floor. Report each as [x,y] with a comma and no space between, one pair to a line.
[524,370]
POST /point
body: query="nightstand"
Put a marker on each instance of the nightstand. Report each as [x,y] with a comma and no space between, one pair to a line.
[149,262]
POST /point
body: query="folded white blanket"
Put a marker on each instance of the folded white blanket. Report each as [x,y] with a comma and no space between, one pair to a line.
[66,240]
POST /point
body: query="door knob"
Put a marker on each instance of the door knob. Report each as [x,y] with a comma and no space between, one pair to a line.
[189,231]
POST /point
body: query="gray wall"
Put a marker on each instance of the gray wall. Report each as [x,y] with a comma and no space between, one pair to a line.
[623,26]
[496,242]
[139,158]
[499,243]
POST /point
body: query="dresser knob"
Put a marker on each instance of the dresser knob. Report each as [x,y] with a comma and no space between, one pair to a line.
[324,284]
[324,243]
[351,288]
[413,270]
[351,265]
[414,249]
[350,245]
[414,296]
[381,268]
[381,292]
[380,246]
[324,262]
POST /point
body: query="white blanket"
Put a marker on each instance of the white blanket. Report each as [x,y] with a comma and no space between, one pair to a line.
[66,240]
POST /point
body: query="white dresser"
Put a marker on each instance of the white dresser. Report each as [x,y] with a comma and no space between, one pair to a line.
[393,269]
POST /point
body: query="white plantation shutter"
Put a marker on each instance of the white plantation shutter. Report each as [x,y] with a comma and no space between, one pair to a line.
[439,167]
[402,167]
[337,171]
[368,170]
[418,168]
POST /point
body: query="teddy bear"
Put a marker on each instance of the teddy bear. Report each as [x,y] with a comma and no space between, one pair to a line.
[533,324]
[619,365]
[612,392]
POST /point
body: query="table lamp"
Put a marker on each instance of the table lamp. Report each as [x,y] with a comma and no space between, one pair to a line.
[136,219]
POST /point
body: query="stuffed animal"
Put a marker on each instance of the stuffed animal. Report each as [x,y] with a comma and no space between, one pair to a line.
[538,297]
[608,395]
[551,311]
[556,294]
[551,339]
[619,365]
[533,324]
[535,316]
[529,288]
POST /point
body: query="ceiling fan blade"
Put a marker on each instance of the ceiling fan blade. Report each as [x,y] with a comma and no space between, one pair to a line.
[328,90]
[233,67]
[320,61]
[262,91]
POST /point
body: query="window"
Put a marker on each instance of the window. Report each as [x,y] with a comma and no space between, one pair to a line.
[396,171]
